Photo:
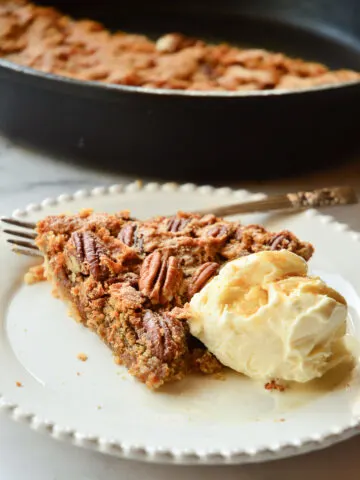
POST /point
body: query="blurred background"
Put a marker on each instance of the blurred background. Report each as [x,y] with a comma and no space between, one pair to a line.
[93,113]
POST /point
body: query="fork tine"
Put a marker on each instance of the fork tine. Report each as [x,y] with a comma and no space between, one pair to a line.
[18,233]
[21,243]
[19,223]
[29,253]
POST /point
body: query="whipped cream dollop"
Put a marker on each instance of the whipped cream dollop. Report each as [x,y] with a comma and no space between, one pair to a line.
[263,316]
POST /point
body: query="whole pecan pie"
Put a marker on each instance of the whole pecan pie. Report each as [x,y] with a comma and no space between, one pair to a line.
[47,40]
[129,280]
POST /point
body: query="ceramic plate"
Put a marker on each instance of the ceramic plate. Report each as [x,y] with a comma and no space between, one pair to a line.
[96,404]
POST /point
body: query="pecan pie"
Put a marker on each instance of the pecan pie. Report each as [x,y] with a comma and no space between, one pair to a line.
[129,280]
[46,40]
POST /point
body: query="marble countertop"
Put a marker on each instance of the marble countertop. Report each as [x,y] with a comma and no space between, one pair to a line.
[26,177]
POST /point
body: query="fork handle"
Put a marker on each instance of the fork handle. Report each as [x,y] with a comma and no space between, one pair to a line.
[323,197]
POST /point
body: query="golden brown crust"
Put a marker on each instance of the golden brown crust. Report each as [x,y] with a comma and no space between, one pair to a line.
[46,40]
[35,274]
[130,281]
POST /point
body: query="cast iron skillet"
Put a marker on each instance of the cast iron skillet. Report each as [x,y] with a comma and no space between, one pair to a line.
[198,135]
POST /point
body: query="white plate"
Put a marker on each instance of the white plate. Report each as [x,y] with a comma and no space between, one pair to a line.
[97,405]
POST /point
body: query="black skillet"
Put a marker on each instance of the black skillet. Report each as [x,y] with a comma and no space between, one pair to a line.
[199,136]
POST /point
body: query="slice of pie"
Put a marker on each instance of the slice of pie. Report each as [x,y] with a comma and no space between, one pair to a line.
[128,280]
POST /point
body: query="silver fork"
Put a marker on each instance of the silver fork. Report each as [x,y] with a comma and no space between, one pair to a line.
[27,247]
[323,197]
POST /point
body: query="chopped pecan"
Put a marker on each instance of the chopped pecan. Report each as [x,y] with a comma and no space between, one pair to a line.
[90,249]
[249,235]
[208,219]
[208,70]
[203,361]
[274,385]
[201,277]
[177,224]
[173,42]
[94,289]
[164,336]
[239,233]
[123,296]
[160,277]
[131,278]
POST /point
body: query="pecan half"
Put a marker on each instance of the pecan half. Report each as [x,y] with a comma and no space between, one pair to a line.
[127,234]
[90,249]
[284,239]
[77,238]
[160,277]
[201,276]
[177,224]
[131,236]
[277,241]
[218,231]
[164,336]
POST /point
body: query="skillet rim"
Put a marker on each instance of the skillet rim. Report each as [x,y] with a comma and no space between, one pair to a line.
[164,92]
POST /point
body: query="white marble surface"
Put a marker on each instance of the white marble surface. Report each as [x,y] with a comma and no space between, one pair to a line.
[28,177]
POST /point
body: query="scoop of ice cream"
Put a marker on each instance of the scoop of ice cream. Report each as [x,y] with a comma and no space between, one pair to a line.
[264,317]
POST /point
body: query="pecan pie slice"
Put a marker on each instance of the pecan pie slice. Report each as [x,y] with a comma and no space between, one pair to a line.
[129,280]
